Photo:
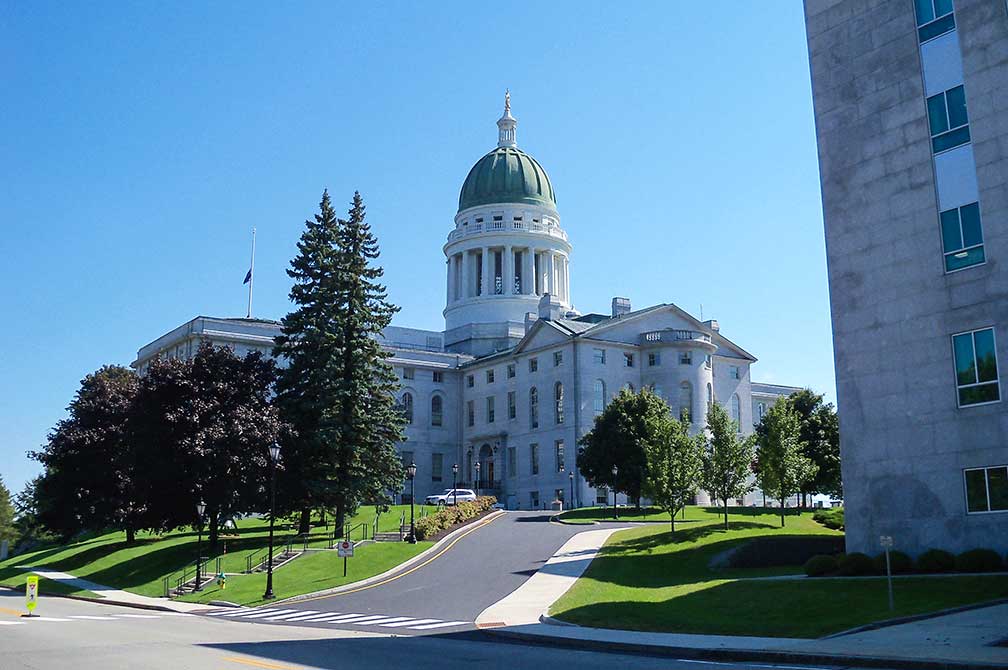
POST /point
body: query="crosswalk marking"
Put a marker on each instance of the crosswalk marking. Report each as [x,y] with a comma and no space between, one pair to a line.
[245,612]
[260,615]
[359,618]
[289,615]
[337,619]
[313,617]
[411,622]
[443,624]
[388,620]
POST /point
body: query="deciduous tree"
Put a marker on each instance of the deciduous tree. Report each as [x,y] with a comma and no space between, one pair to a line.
[727,458]
[782,465]
[674,464]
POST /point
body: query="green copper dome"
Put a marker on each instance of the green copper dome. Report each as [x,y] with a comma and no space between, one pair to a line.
[507,175]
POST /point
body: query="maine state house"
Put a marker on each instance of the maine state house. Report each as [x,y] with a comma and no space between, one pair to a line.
[518,375]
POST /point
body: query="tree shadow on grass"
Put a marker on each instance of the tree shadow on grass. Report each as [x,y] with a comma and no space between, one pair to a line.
[681,536]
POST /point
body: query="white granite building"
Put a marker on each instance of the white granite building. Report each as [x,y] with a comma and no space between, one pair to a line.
[518,375]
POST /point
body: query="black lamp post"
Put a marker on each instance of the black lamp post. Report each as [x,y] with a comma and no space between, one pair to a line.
[455,484]
[615,471]
[411,471]
[200,508]
[274,452]
[570,476]
[477,478]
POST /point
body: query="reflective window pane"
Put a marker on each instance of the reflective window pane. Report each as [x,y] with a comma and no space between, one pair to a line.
[956,100]
[924,10]
[974,395]
[976,491]
[951,237]
[965,371]
[997,486]
[936,28]
[985,356]
[950,140]
[971,232]
[936,114]
[942,7]
[958,260]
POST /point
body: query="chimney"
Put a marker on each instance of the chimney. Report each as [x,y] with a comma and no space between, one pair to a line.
[530,319]
[620,306]
[712,324]
[549,307]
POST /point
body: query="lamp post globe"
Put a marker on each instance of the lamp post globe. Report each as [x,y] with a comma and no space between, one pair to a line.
[274,457]
[455,484]
[615,471]
[200,509]
[411,472]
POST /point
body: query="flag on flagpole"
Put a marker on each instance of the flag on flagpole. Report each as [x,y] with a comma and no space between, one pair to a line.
[248,277]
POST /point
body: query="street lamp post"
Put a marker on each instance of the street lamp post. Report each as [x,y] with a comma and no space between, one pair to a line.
[274,452]
[570,475]
[477,485]
[200,508]
[455,485]
[411,471]
[615,471]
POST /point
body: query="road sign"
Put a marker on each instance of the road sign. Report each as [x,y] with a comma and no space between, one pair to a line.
[31,593]
[345,549]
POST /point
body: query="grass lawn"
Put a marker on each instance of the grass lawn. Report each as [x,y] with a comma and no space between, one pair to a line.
[644,579]
[589,515]
[107,560]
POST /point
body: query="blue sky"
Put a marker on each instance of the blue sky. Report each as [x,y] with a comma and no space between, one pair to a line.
[139,144]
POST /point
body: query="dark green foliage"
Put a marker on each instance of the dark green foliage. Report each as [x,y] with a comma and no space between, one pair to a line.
[7,529]
[935,560]
[448,516]
[978,560]
[819,566]
[781,466]
[727,460]
[831,518]
[899,562]
[855,565]
[769,552]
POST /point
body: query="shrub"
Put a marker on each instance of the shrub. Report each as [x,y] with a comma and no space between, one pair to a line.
[855,564]
[817,566]
[768,552]
[448,516]
[936,560]
[978,560]
[831,518]
[899,562]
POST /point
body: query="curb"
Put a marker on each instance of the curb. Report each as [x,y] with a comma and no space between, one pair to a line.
[392,571]
[107,601]
[738,655]
[875,625]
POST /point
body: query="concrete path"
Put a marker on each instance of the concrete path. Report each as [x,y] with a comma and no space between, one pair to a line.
[111,594]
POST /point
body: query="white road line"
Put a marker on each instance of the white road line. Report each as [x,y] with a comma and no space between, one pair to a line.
[91,618]
[138,616]
[313,617]
[444,624]
[265,614]
[49,618]
[246,612]
[411,622]
[11,623]
[383,620]
[359,618]
[289,616]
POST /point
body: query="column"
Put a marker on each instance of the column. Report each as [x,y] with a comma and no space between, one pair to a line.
[507,268]
[449,267]
[551,276]
[487,288]
[528,270]
[466,278]
[566,279]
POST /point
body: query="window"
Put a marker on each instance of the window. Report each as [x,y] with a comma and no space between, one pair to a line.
[533,364]
[408,373]
[437,377]
[534,499]
[407,407]
[707,361]
[558,449]
[470,381]
[598,356]
[653,359]
[987,489]
[947,119]
[629,387]
[490,409]
[627,360]
[512,466]
[976,367]
[710,396]
[533,407]
[512,405]
[599,395]
[685,358]
[437,465]
[557,358]
[685,402]
[470,413]
[962,237]
[534,458]
[510,371]
[558,399]
[407,457]
[490,376]
[736,412]
[733,372]
[934,18]
[601,496]
[760,410]
[436,410]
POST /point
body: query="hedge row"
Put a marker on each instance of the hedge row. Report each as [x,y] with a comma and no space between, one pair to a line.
[450,515]
[931,561]
[831,518]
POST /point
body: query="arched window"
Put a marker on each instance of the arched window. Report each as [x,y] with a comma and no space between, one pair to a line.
[736,411]
[710,396]
[533,407]
[685,402]
[599,395]
[761,410]
[436,410]
[629,387]
[407,407]
[558,403]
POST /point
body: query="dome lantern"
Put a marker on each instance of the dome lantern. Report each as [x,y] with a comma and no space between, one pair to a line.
[506,124]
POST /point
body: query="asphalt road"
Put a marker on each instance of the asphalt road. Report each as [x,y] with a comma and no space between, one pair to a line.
[88,636]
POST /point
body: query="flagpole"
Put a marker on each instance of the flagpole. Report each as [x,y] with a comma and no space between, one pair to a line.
[251,275]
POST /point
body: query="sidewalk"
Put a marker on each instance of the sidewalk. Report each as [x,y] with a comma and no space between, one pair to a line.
[113,596]
[961,640]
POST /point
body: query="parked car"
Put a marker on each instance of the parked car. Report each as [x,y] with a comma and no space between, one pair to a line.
[450,496]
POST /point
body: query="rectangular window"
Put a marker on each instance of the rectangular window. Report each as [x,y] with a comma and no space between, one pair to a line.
[534,499]
[534,458]
[987,489]
[470,413]
[598,356]
[407,457]
[437,465]
[470,381]
[733,372]
[437,377]
[408,373]
[510,371]
[948,120]
[653,359]
[512,405]
[601,496]
[627,360]
[490,409]
[685,358]
[558,448]
[533,364]
[557,358]
[512,465]
[962,237]
[976,367]
[707,361]
[490,376]
[934,18]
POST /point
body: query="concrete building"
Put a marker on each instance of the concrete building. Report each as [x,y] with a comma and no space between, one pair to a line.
[518,375]
[912,123]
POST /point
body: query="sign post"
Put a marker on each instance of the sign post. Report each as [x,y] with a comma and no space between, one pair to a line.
[31,594]
[345,550]
[887,542]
